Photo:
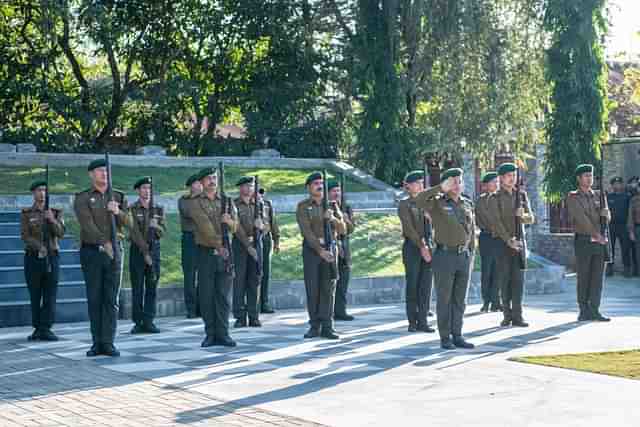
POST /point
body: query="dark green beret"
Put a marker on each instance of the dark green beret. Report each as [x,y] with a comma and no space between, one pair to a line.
[38,183]
[616,179]
[414,176]
[314,176]
[193,178]
[245,180]
[584,168]
[506,168]
[332,183]
[489,176]
[205,172]
[142,181]
[450,173]
[98,163]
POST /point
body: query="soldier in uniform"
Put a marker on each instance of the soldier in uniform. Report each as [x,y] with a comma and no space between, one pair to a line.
[270,245]
[502,223]
[452,262]
[618,201]
[416,255]
[188,252]
[633,222]
[144,257]
[585,212]
[246,286]
[317,260]
[489,245]
[41,260]
[633,189]
[101,269]
[214,260]
[344,259]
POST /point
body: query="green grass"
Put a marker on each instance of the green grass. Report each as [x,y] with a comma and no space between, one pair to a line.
[625,364]
[168,181]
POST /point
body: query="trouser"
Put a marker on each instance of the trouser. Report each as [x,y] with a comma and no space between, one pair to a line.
[451,271]
[246,285]
[418,279]
[621,233]
[267,246]
[43,288]
[342,286]
[102,279]
[214,284]
[489,249]
[511,282]
[190,272]
[321,290]
[144,283]
[590,272]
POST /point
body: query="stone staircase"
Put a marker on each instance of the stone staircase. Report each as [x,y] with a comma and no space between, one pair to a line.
[14,295]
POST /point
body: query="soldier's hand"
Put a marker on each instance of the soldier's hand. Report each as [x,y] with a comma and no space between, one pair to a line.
[49,215]
[42,252]
[327,255]
[605,213]
[276,248]
[252,251]
[148,260]
[515,244]
[113,207]
[425,252]
[154,223]
[328,214]
[227,219]
[259,224]
[427,216]
[632,236]
[520,212]
[108,249]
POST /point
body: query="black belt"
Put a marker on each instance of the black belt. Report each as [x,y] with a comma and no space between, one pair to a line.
[91,246]
[460,249]
[187,232]
[37,254]
[214,251]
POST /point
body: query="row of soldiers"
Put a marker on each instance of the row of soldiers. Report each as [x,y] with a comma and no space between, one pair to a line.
[624,203]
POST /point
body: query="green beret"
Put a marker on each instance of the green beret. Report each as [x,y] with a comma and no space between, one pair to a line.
[414,176]
[205,172]
[142,181]
[245,180]
[506,168]
[332,183]
[193,178]
[489,176]
[450,173]
[616,179]
[584,168]
[314,176]
[98,163]
[38,183]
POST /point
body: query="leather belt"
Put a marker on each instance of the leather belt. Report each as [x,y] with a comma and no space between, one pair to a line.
[460,249]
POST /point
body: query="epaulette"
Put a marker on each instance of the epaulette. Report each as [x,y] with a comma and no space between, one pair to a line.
[84,191]
[26,210]
[573,193]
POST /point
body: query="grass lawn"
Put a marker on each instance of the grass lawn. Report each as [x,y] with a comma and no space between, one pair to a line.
[625,364]
[168,181]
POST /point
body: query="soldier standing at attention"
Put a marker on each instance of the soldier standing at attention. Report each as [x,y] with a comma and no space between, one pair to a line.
[416,255]
[188,246]
[344,259]
[489,245]
[454,233]
[618,202]
[41,260]
[214,261]
[144,257]
[100,267]
[246,286]
[503,224]
[317,260]
[271,244]
[633,222]
[585,211]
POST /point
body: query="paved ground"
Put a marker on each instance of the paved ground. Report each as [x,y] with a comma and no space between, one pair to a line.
[377,375]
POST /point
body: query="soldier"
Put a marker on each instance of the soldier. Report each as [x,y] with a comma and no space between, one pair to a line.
[632,188]
[502,223]
[271,244]
[41,260]
[454,235]
[633,222]
[317,260]
[590,245]
[144,257]
[490,245]
[416,255]
[246,286]
[618,201]
[214,260]
[101,269]
[188,252]
[344,258]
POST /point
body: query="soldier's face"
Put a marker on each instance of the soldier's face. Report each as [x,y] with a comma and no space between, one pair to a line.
[210,182]
[508,179]
[618,187]
[415,187]
[457,185]
[586,179]
[99,176]
[196,187]
[39,193]
[144,191]
[246,190]
[335,193]
[315,188]
[491,186]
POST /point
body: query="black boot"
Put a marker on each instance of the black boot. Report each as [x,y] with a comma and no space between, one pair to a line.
[460,342]
[48,335]
[610,269]
[313,332]
[240,323]
[254,323]
[485,308]
[329,333]
[447,344]
[585,314]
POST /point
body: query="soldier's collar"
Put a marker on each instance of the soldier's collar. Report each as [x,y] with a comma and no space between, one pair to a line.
[34,207]
[589,192]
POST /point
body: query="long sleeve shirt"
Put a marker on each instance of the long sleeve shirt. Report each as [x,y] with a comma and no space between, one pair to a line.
[206,214]
[502,206]
[310,218]
[584,211]
[90,207]
[31,229]
[140,219]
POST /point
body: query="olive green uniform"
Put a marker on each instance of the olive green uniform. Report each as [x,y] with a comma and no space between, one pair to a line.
[490,246]
[321,290]
[188,257]
[102,274]
[246,285]
[633,224]
[418,272]
[144,278]
[344,263]
[42,284]
[214,278]
[454,236]
[271,239]
[510,274]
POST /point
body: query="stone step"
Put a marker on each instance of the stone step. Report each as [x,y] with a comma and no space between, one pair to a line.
[68,273]
[20,292]
[10,216]
[15,243]
[16,258]
[18,313]
[10,229]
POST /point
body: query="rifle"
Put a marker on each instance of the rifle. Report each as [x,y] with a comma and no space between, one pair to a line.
[343,205]
[519,203]
[329,241]
[428,230]
[226,235]
[604,227]
[258,234]
[45,223]
[151,234]
[114,230]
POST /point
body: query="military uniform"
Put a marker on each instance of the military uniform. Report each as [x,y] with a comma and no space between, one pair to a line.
[619,206]
[271,240]
[144,278]
[489,245]
[102,274]
[633,222]
[42,284]
[344,265]
[188,257]
[454,236]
